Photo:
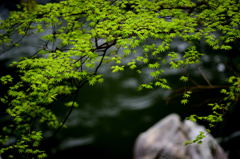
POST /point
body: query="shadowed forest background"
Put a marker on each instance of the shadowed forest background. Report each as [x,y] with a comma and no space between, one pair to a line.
[112,114]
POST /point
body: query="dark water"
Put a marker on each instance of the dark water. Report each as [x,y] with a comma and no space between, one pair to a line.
[109,119]
[111,115]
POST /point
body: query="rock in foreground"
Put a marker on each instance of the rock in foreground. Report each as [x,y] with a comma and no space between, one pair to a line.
[165,140]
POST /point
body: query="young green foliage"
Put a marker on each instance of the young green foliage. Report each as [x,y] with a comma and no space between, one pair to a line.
[80,36]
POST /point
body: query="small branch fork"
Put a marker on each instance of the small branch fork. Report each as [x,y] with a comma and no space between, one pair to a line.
[106,46]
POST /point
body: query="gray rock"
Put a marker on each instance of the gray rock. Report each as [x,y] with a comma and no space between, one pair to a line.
[165,140]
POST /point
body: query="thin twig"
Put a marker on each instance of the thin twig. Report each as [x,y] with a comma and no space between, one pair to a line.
[204,77]
[70,109]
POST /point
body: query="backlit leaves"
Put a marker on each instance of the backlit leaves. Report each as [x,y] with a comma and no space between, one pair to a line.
[85,35]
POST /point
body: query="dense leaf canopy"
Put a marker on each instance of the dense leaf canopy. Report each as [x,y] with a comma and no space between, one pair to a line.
[80,36]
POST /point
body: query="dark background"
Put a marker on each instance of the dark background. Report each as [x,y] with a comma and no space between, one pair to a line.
[113,114]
